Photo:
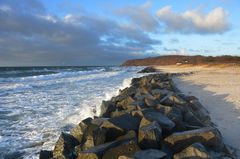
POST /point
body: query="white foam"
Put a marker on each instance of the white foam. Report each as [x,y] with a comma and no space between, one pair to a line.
[44,106]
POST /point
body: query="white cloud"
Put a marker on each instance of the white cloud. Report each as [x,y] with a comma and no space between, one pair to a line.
[140,16]
[194,21]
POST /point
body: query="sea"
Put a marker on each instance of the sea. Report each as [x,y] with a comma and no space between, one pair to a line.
[38,103]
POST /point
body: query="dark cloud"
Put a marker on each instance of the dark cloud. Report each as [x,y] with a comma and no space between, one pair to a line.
[31,36]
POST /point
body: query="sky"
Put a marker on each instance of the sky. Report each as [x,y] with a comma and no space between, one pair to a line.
[103,32]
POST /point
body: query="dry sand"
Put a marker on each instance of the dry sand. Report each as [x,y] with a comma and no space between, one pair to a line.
[218,89]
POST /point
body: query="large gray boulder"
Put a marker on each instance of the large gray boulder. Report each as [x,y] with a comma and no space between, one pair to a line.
[126,122]
[207,136]
[161,119]
[149,136]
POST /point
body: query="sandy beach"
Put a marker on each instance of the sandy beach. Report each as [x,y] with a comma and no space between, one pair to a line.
[218,89]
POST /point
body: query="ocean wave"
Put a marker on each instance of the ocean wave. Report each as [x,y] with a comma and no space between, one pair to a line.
[36,109]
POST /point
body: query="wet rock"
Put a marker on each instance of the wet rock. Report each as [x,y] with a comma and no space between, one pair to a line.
[128,149]
[148,70]
[196,150]
[208,136]
[150,154]
[149,136]
[162,120]
[64,148]
[44,154]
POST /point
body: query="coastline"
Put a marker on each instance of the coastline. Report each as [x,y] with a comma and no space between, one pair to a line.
[151,105]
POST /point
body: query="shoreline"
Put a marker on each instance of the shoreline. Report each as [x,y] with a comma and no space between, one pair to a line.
[218,90]
[151,105]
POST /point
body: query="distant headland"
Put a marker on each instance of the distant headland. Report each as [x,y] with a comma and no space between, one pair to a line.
[180,60]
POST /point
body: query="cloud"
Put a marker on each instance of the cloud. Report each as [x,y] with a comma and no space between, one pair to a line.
[33,36]
[174,51]
[139,16]
[174,41]
[194,21]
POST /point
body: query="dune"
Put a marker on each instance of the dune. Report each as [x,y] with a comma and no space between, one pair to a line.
[218,89]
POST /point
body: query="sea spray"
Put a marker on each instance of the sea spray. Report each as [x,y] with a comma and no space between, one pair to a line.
[36,109]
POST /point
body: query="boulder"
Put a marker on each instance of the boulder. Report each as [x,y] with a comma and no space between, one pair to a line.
[149,136]
[64,148]
[150,154]
[125,102]
[126,122]
[98,151]
[112,131]
[162,120]
[44,154]
[192,119]
[151,102]
[148,70]
[106,108]
[208,136]
[93,136]
[172,99]
[144,122]
[125,93]
[196,150]
[128,149]
[79,130]
[200,111]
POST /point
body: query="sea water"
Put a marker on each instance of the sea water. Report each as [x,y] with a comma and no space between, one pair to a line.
[38,103]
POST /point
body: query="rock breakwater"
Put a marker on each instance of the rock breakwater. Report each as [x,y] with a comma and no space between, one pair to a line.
[150,119]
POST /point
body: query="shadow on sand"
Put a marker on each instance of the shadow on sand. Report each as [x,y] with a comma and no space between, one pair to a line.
[223,113]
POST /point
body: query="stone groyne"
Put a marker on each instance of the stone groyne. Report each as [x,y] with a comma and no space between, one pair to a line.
[150,119]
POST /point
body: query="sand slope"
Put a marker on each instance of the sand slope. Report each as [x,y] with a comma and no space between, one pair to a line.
[218,89]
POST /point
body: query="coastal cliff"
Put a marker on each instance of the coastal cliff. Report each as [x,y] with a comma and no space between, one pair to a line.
[178,59]
[149,119]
